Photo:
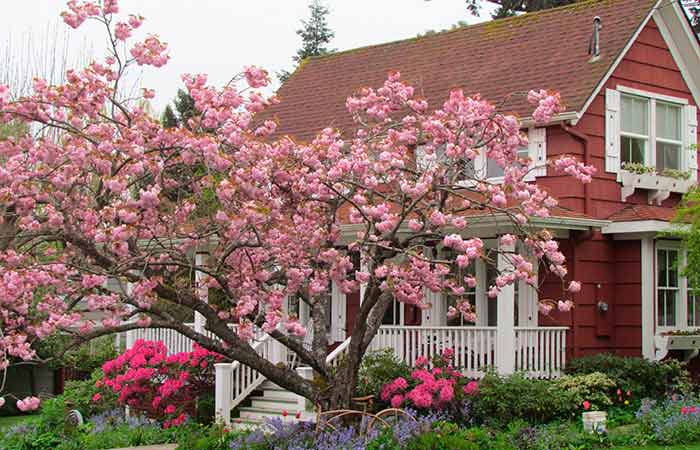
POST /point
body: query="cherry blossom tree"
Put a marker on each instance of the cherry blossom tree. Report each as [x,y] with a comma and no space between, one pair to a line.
[111,194]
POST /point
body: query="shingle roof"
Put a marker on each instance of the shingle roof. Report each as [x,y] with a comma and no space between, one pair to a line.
[643,212]
[546,49]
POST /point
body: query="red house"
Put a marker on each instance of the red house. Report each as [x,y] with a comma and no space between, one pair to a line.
[629,74]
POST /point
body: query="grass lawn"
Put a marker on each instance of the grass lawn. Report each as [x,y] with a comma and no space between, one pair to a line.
[8,421]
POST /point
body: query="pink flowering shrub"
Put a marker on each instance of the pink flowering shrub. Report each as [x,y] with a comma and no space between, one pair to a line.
[432,385]
[161,386]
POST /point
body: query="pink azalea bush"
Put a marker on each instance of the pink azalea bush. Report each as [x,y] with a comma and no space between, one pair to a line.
[435,385]
[165,387]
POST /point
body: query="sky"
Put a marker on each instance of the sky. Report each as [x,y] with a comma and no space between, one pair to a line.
[219,37]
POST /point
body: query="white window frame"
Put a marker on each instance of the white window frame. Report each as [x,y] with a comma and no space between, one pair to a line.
[526,309]
[682,300]
[537,152]
[614,129]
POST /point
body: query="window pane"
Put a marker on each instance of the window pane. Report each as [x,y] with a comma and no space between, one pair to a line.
[635,115]
[661,261]
[666,307]
[493,170]
[668,121]
[632,149]
[673,268]
[668,156]
[693,309]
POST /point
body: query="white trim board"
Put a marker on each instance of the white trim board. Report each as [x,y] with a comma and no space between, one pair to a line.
[640,226]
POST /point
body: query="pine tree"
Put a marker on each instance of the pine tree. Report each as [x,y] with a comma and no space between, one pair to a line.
[315,36]
[169,119]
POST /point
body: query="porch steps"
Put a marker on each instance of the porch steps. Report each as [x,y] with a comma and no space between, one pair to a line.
[275,401]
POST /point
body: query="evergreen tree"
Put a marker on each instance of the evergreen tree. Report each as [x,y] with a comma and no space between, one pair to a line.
[169,119]
[315,36]
[184,105]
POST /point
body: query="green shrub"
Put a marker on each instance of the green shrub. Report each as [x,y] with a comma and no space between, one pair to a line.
[596,388]
[502,400]
[448,436]
[79,395]
[643,378]
[378,368]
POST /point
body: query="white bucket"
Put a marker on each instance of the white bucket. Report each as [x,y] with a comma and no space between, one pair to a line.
[595,421]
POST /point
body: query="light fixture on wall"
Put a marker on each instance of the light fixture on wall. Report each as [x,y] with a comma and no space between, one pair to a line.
[602,304]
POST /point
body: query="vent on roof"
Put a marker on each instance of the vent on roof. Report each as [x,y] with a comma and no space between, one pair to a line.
[594,42]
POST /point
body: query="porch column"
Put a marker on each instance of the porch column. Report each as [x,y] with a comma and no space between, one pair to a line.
[647,260]
[505,335]
[202,291]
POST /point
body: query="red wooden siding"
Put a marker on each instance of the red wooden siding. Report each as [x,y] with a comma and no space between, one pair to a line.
[649,66]
[609,270]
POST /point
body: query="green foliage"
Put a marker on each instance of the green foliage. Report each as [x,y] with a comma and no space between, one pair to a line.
[675,420]
[688,217]
[641,377]
[87,357]
[448,436]
[508,8]
[315,36]
[502,400]
[596,388]
[378,368]
[168,118]
[79,395]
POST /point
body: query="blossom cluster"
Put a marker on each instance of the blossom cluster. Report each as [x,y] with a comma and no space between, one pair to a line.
[107,179]
[439,387]
[166,387]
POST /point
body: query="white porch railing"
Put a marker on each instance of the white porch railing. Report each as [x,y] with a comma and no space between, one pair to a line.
[475,347]
[540,351]
[236,381]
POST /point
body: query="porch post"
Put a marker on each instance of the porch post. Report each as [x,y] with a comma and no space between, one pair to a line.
[505,335]
[647,257]
[202,292]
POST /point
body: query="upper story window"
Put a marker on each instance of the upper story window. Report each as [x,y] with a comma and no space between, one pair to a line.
[484,169]
[653,130]
[494,172]
[651,133]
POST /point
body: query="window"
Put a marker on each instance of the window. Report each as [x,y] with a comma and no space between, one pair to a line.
[669,141]
[693,308]
[393,315]
[485,169]
[667,287]
[494,171]
[457,274]
[634,130]
[649,129]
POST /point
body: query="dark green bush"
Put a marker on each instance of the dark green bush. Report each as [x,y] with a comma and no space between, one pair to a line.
[79,395]
[378,368]
[643,378]
[502,400]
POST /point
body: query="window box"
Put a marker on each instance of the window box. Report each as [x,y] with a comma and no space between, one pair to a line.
[690,343]
[659,186]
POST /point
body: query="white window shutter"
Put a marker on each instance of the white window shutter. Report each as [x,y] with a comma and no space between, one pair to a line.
[612,131]
[537,138]
[691,113]
[338,312]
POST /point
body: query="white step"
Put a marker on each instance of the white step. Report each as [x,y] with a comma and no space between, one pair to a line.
[276,402]
[260,414]
[280,393]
